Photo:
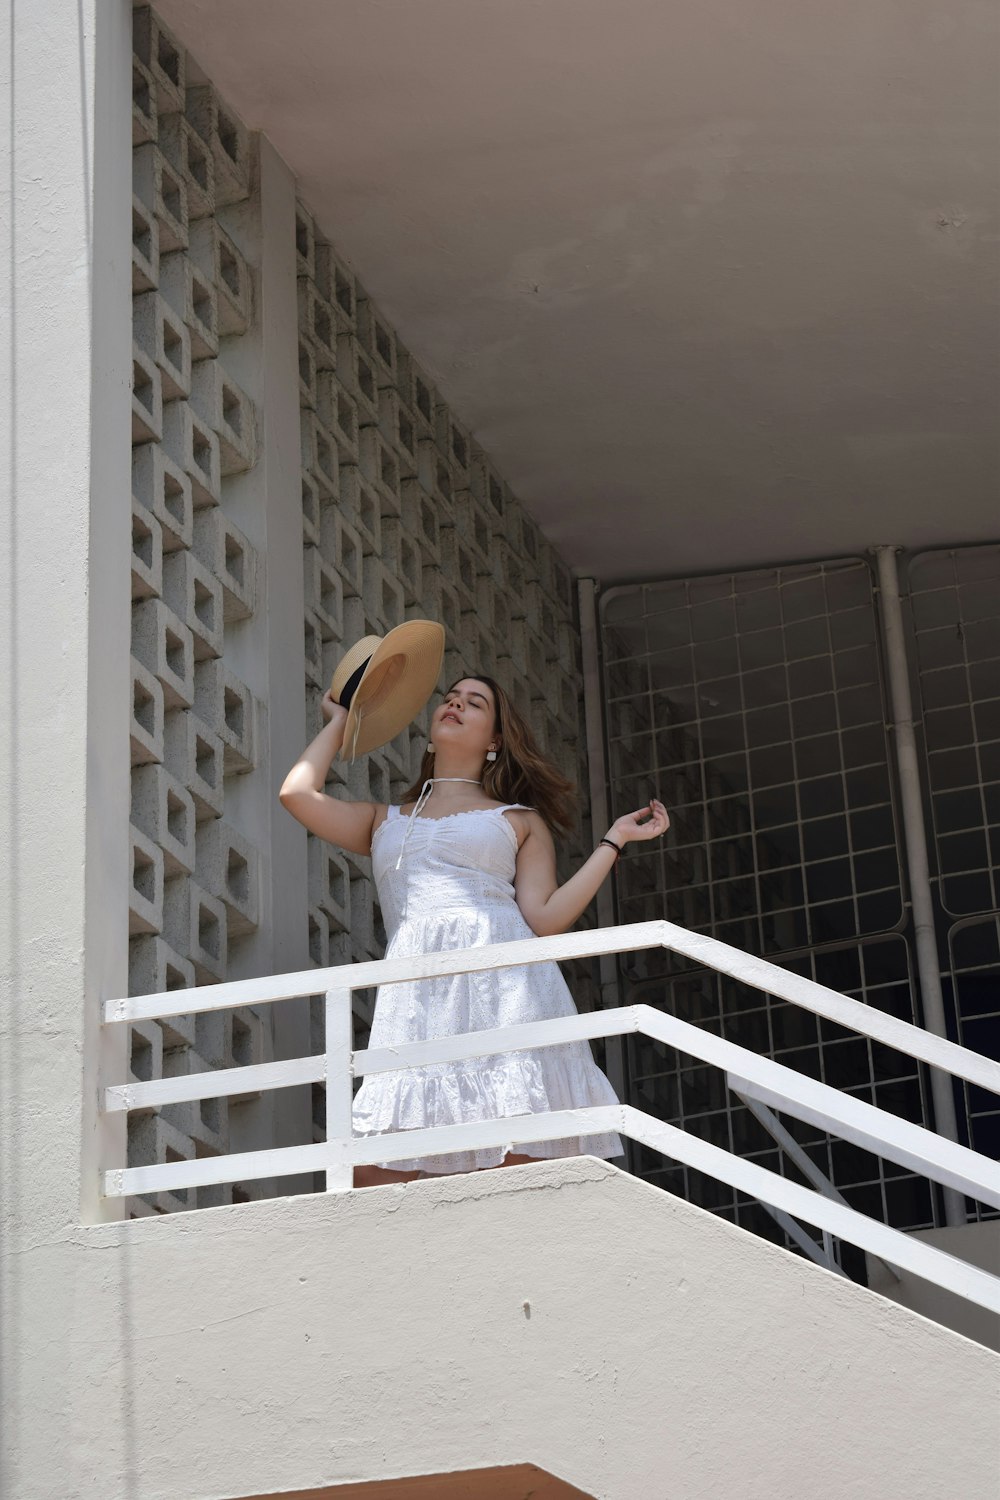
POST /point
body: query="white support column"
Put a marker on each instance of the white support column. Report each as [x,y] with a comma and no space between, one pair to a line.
[64,582]
[593,704]
[915,835]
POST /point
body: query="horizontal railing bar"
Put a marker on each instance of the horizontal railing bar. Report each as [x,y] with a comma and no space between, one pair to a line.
[460,1046]
[909,1254]
[747,1177]
[903,1036]
[201,1171]
[269,988]
[357,1150]
[214,1083]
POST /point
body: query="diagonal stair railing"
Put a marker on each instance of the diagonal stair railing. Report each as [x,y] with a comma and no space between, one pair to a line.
[771,1085]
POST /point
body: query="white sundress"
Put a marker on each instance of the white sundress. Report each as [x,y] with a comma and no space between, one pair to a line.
[454,888]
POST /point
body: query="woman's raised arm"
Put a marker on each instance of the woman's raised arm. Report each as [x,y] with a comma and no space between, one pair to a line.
[348,824]
[550,908]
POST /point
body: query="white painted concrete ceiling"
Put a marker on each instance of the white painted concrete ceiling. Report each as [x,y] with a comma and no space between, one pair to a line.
[715,283]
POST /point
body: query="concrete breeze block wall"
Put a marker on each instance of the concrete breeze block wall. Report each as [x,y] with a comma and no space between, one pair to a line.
[403,515]
[196,874]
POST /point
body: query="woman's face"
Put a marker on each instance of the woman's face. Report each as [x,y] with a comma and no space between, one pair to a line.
[465,717]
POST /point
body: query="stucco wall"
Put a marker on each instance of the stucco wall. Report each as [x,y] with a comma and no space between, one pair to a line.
[561,1313]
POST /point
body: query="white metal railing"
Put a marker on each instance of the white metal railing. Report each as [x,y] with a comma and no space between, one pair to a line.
[767,1084]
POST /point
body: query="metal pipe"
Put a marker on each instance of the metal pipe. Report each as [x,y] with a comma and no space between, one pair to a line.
[593,710]
[917,864]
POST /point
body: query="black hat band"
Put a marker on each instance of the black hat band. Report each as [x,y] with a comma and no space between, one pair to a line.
[353,683]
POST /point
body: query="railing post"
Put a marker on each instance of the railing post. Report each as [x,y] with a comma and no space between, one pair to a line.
[339,1082]
[593,707]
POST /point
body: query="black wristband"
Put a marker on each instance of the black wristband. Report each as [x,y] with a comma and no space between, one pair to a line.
[612,845]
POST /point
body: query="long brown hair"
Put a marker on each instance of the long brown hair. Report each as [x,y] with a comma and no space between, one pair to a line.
[520,773]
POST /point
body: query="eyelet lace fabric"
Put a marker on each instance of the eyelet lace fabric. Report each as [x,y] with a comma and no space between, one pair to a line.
[455,889]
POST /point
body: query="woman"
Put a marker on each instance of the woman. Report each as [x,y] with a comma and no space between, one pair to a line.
[462,862]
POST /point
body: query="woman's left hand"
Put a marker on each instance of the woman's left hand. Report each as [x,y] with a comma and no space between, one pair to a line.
[645,823]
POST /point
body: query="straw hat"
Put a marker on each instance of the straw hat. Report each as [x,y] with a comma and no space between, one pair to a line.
[384,682]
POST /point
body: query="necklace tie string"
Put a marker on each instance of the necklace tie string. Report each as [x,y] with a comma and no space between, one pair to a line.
[425,792]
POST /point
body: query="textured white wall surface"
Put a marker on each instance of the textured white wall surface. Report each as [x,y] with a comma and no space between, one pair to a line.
[562,1313]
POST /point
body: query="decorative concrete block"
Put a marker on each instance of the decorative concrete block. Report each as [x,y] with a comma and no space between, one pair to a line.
[145,904]
[313,650]
[455,443]
[250,1045]
[162,189]
[228,866]
[195,924]
[189,156]
[473,523]
[163,809]
[193,753]
[162,335]
[487,485]
[227,706]
[311,506]
[195,596]
[308,374]
[194,446]
[157,49]
[329,884]
[324,594]
[147,553]
[395,422]
[319,945]
[378,341]
[162,488]
[219,258]
[434,472]
[144,104]
[318,320]
[460,566]
[146,722]
[338,411]
[383,595]
[305,242]
[227,139]
[357,372]
[359,501]
[145,248]
[147,399]
[163,644]
[320,456]
[230,557]
[145,1049]
[192,296]
[229,412]
[153,1141]
[341,545]
[337,283]
[421,397]
[379,467]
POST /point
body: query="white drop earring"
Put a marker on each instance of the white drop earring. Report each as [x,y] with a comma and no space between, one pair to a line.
[491,755]
[430,748]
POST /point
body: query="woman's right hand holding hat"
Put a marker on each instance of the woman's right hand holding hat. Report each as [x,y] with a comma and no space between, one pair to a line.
[331,709]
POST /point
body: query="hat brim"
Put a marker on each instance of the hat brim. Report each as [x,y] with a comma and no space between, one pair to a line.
[400,677]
